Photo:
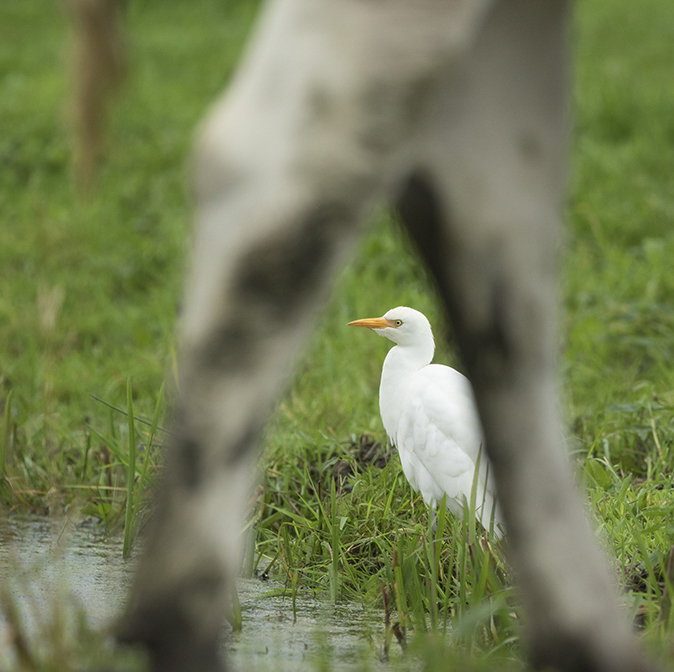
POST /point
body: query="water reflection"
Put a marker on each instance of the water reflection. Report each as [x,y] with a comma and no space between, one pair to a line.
[41,559]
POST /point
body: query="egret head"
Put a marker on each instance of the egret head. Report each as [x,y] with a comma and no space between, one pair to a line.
[402,325]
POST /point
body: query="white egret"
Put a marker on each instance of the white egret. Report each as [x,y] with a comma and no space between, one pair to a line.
[429,414]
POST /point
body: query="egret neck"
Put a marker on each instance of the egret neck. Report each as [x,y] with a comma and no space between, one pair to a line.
[402,361]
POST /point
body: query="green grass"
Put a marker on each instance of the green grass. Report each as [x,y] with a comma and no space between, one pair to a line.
[90,293]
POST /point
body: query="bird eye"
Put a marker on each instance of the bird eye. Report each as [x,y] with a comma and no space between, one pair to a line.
[399,323]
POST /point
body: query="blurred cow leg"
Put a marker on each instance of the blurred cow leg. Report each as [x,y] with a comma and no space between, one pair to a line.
[98,67]
[483,205]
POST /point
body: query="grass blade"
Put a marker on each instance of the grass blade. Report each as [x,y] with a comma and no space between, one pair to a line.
[6,433]
[131,475]
[334,567]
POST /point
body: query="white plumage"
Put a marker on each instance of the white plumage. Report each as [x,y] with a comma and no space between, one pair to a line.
[429,413]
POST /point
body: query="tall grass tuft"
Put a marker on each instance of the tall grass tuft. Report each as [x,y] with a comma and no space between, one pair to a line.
[384,546]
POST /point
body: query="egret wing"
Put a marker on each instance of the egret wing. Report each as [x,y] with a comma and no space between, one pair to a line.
[448,401]
[442,437]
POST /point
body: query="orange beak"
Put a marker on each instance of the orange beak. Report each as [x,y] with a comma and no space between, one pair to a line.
[371,323]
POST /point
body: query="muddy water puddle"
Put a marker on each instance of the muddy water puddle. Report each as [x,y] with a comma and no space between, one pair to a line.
[44,563]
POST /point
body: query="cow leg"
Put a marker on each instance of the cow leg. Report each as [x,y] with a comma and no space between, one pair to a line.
[286,166]
[483,206]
